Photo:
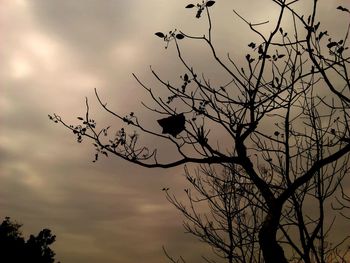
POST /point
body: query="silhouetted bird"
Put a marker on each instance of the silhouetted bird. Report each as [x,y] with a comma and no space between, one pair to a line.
[173,125]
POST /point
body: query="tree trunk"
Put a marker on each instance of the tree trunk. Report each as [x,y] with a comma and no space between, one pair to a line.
[272,251]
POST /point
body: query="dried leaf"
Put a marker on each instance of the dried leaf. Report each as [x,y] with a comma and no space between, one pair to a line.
[180,36]
[173,125]
[160,34]
[210,3]
[190,6]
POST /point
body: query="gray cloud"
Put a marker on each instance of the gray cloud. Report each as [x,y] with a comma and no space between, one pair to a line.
[85,25]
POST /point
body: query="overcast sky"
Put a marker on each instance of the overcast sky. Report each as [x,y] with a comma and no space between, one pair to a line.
[53,53]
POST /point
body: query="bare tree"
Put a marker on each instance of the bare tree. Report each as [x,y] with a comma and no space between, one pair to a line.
[283,114]
[224,211]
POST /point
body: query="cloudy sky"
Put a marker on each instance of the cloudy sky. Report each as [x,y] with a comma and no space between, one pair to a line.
[53,54]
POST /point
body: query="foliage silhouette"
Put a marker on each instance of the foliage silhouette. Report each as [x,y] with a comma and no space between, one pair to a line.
[15,249]
[284,110]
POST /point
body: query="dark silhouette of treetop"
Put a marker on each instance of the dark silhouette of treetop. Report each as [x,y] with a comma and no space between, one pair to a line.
[270,135]
[15,249]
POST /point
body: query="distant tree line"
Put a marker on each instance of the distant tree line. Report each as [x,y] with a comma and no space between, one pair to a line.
[15,249]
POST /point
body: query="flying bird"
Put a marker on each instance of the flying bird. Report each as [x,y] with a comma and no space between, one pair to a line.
[343,9]
[173,125]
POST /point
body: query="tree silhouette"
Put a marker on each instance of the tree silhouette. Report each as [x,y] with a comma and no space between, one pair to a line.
[280,119]
[14,248]
[223,211]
